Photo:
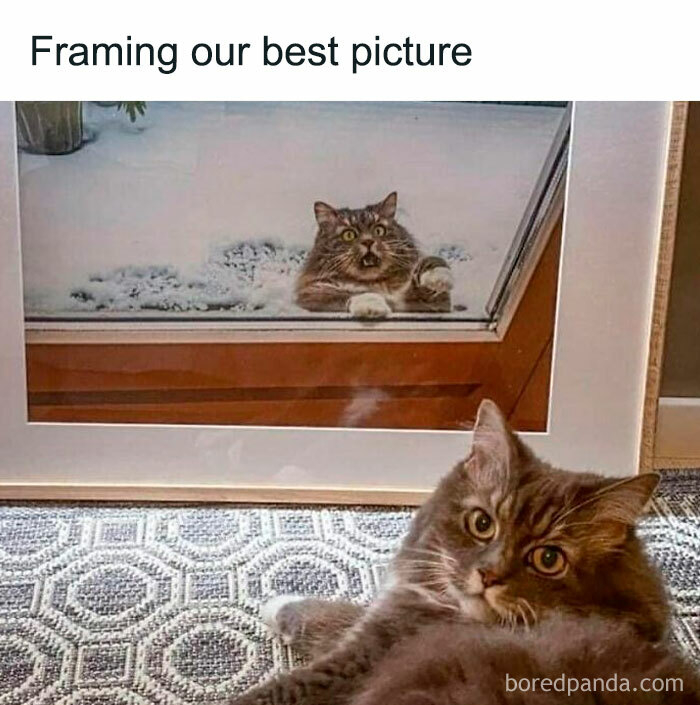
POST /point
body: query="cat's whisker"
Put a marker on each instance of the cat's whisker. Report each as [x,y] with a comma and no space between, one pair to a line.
[523,615]
[421,566]
[527,604]
[424,573]
[426,564]
[419,571]
[424,552]
[418,561]
[434,578]
[569,524]
[439,553]
[427,591]
[402,261]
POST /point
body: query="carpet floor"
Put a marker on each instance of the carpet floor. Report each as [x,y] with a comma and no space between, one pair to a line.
[159,605]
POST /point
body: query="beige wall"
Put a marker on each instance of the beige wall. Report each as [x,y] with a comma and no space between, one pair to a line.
[681,373]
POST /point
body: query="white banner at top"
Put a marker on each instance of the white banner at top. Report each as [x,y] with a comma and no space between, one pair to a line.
[359,50]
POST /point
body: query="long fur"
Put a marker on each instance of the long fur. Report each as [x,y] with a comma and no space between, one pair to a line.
[442,633]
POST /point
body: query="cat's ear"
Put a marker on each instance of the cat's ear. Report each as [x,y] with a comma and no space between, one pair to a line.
[325,214]
[615,506]
[387,208]
[490,427]
[495,447]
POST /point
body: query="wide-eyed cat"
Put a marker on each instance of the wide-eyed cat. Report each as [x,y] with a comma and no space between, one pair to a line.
[512,566]
[365,262]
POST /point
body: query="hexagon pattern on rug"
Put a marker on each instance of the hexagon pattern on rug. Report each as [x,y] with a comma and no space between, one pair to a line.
[159,605]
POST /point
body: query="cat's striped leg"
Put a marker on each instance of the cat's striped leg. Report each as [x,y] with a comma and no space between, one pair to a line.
[431,284]
[334,677]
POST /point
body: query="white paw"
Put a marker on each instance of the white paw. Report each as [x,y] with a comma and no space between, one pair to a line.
[272,607]
[369,306]
[438,279]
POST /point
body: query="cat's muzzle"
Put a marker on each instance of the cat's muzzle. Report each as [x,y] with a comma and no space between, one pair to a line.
[369,259]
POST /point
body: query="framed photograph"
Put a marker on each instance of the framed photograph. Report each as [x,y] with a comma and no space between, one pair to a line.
[309,300]
[405,226]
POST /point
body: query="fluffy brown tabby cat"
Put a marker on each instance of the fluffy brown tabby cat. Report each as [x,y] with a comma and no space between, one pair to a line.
[365,262]
[511,567]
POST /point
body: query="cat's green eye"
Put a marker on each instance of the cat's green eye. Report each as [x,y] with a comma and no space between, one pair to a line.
[480,525]
[547,560]
[379,231]
[348,235]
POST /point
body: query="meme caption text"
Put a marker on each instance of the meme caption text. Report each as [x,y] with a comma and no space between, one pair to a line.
[47,50]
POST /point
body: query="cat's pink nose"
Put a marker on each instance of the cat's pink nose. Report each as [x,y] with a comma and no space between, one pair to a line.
[488,578]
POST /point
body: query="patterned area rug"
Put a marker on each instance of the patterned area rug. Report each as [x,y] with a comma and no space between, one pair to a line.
[159,605]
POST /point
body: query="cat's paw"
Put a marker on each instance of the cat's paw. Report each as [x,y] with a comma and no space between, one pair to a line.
[281,617]
[369,306]
[437,279]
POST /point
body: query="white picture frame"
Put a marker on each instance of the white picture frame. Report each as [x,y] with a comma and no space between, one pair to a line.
[612,225]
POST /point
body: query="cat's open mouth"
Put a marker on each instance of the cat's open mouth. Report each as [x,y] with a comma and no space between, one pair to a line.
[370,260]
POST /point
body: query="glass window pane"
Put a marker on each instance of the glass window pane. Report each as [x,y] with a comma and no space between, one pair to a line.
[203,211]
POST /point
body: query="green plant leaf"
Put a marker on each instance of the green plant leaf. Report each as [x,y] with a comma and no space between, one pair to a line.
[132,107]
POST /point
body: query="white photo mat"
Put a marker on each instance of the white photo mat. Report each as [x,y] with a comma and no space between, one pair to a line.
[611,231]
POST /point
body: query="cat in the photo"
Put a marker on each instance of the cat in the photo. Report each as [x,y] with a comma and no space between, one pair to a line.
[511,568]
[366,263]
